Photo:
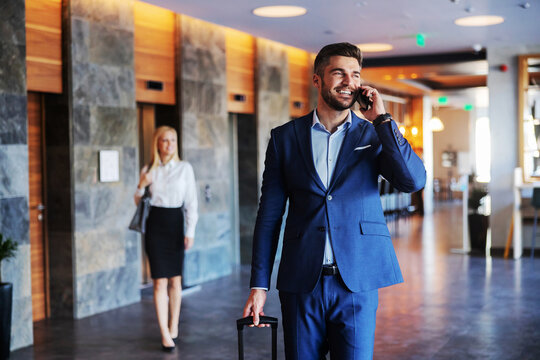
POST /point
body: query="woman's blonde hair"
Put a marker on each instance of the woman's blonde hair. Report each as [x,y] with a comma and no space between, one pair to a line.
[154,161]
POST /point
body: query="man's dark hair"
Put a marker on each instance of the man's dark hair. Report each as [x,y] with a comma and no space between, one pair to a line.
[337,49]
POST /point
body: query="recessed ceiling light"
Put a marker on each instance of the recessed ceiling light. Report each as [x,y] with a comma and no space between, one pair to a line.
[414,76]
[483,20]
[280,11]
[375,47]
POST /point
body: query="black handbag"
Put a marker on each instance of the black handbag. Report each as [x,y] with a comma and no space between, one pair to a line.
[138,222]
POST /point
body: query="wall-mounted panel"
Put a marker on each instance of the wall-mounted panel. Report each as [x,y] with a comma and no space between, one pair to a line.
[299,79]
[155,33]
[240,51]
[44,45]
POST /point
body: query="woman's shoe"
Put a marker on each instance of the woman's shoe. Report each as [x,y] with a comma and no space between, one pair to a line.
[167,348]
[175,340]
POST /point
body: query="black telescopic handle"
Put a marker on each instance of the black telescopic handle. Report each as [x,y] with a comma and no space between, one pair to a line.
[240,323]
[248,320]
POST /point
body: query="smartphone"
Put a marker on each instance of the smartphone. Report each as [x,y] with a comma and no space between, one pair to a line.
[364,101]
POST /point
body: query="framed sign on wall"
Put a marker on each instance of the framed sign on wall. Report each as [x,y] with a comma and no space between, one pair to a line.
[109,167]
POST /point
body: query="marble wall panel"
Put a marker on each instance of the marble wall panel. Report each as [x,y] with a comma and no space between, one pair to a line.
[12,22]
[203,51]
[118,14]
[14,216]
[80,40]
[99,251]
[113,126]
[13,170]
[192,267]
[214,196]
[214,264]
[104,117]
[13,122]
[272,77]
[85,165]
[81,125]
[13,69]
[129,165]
[103,85]
[22,333]
[14,221]
[108,46]
[101,291]
[205,144]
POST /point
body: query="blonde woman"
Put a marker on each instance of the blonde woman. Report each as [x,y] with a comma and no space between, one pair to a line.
[173,195]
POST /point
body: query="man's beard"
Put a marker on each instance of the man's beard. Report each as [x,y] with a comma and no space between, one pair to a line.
[332,101]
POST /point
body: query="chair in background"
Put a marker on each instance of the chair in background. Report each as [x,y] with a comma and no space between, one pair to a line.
[535,202]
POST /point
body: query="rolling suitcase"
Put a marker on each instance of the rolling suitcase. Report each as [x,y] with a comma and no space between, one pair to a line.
[240,323]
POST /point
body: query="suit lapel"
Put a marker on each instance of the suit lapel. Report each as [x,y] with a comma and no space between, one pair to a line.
[302,128]
[352,140]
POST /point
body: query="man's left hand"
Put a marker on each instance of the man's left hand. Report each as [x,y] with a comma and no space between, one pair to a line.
[377,105]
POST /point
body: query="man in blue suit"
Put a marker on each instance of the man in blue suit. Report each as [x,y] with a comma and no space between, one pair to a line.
[337,250]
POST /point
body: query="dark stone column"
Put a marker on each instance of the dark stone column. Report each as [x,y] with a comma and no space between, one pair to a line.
[14,216]
[103,116]
[205,144]
[272,79]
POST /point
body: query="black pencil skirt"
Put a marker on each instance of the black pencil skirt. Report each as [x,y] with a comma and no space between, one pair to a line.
[164,241]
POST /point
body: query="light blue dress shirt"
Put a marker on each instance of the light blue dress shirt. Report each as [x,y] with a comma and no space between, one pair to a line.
[325,147]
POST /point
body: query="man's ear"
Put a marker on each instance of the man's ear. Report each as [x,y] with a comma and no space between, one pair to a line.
[316,81]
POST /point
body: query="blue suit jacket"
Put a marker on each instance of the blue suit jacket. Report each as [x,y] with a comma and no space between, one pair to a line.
[350,209]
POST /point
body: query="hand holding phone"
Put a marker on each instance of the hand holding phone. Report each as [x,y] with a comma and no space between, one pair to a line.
[365,101]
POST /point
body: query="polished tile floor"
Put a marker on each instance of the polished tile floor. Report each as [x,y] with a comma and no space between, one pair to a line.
[451,306]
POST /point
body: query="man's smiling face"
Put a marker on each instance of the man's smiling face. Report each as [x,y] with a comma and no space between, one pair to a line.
[340,82]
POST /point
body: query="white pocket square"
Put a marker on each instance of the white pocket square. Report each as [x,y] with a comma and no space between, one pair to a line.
[362,147]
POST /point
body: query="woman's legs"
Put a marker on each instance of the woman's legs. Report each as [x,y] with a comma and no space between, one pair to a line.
[175,301]
[162,310]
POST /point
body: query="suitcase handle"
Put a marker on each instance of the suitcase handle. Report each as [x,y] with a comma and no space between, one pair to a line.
[240,323]
[248,320]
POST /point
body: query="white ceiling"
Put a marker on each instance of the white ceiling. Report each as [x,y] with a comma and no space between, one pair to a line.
[389,21]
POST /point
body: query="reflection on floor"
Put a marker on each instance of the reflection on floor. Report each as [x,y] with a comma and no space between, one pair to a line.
[450,307]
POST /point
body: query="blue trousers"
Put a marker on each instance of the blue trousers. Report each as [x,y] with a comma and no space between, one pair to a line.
[329,319]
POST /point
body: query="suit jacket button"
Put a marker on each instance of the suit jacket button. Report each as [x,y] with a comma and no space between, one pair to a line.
[321,228]
[329,197]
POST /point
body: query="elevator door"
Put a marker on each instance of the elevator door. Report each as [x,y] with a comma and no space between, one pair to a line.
[38,238]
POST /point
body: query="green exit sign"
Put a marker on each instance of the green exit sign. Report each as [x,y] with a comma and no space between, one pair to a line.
[468,107]
[420,40]
[443,100]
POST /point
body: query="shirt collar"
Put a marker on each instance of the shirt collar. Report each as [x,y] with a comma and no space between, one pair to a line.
[317,123]
[167,165]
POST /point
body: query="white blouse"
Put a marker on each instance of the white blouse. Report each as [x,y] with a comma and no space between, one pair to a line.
[173,185]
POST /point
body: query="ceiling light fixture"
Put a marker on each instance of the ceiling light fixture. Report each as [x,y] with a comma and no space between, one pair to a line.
[482,20]
[280,11]
[375,47]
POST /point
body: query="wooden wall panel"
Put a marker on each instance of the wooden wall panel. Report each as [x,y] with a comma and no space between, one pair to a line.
[44,45]
[240,51]
[299,81]
[155,33]
[38,248]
